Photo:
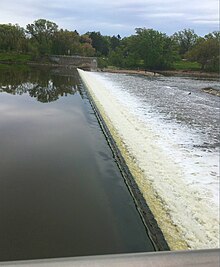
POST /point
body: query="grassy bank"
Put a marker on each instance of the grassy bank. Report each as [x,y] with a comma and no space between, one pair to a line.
[15,58]
[187,65]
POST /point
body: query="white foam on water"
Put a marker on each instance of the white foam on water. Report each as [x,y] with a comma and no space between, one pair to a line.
[184,182]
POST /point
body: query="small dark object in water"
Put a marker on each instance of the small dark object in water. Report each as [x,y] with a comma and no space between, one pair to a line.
[189,93]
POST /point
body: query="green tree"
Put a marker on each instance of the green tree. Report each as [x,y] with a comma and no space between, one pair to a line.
[156,49]
[100,43]
[125,54]
[12,38]
[206,52]
[116,57]
[65,42]
[115,42]
[185,40]
[86,48]
[147,49]
[42,32]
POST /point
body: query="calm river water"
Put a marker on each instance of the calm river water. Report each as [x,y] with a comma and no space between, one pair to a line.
[61,192]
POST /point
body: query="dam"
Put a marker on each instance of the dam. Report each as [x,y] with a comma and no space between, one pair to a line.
[170,145]
[89,63]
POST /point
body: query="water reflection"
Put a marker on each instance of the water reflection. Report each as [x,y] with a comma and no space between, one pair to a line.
[61,191]
[43,84]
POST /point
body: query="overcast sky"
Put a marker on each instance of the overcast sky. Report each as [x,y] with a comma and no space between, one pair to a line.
[116,16]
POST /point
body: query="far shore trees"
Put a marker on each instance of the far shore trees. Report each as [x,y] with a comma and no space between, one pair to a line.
[185,40]
[206,52]
[12,38]
[146,49]
[41,33]
[156,49]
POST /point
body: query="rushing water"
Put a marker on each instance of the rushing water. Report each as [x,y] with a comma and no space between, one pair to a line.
[170,129]
[61,192]
[173,100]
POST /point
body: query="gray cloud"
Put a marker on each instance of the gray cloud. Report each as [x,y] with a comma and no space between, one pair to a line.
[115,16]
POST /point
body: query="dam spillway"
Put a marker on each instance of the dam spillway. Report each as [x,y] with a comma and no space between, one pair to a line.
[180,185]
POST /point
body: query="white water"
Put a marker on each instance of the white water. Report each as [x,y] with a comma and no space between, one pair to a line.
[179,181]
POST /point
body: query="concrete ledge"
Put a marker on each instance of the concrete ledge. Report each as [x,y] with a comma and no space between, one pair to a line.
[195,258]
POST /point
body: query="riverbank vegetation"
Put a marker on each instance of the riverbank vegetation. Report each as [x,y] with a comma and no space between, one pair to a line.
[147,49]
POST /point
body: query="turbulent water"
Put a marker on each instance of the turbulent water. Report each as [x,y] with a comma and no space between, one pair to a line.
[169,128]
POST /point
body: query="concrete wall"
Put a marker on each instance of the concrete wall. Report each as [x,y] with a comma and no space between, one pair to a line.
[77,61]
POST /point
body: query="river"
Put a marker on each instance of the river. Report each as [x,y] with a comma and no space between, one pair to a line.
[61,191]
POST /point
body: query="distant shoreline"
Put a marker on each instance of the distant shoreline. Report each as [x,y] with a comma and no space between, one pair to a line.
[164,72]
[190,73]
[124,71]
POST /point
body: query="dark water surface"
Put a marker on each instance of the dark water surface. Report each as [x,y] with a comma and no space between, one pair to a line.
[61,192]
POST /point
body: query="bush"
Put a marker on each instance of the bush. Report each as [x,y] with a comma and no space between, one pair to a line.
[102,62]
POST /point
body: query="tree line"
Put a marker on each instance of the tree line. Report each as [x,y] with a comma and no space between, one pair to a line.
[147,48]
